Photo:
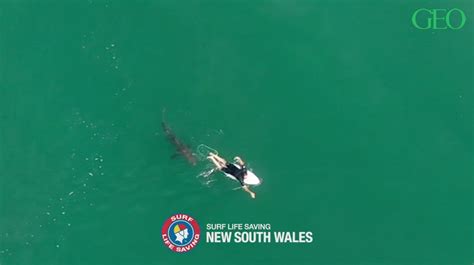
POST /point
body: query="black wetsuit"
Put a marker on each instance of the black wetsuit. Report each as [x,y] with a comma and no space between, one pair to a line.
[237,172]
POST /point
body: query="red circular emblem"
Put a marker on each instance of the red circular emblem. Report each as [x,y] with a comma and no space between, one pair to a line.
[180,233]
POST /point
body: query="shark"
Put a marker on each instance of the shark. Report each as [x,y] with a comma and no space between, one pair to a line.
[181,148]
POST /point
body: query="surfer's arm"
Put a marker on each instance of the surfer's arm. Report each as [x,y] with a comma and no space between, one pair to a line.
[239,161]
[246,188]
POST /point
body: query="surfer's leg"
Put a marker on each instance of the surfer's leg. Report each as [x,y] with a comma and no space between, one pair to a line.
[218,158]
[216,162]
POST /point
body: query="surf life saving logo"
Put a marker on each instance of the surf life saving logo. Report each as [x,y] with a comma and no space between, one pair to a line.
[180,233]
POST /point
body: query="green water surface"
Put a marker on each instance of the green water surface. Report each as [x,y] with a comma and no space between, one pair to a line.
[360,125]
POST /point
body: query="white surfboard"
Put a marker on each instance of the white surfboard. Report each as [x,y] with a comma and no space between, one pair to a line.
[250,178]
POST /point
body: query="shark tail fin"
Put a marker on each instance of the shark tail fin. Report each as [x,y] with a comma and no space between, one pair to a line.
[163,114]
[163,123]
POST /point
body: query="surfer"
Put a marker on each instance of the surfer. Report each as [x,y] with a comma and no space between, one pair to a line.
[236,170]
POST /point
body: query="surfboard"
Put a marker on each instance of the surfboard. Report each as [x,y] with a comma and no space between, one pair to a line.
[250,179]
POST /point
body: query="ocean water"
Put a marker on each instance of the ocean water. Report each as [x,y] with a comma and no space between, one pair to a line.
[359,124]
